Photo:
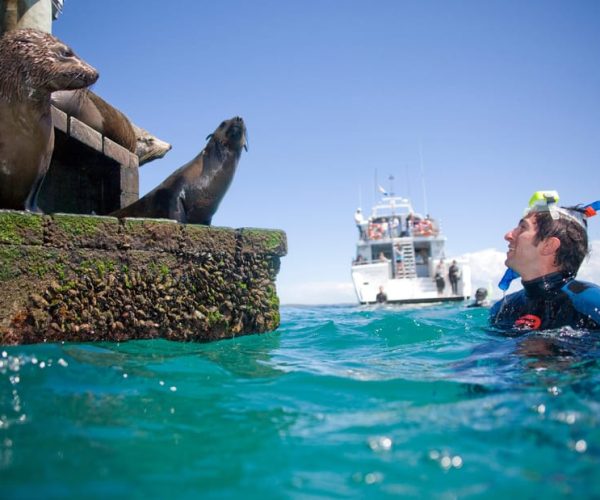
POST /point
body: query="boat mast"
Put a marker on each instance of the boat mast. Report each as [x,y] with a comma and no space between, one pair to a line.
[423,179]
[375,188]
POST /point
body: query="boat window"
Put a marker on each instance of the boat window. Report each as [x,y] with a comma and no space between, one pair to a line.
[377,250]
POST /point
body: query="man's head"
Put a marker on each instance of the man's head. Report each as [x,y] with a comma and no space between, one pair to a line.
[543,243]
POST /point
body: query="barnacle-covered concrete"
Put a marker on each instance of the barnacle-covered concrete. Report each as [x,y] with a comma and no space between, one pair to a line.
[83,278]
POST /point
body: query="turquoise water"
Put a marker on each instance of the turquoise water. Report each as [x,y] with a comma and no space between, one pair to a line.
[340,402]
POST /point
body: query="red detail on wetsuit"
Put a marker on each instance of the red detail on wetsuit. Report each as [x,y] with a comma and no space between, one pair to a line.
[528,322]
[589,212]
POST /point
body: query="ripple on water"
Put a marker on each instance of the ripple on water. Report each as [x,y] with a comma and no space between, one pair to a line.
[341,401]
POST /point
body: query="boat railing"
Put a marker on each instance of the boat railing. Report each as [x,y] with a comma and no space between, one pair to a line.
[382,230]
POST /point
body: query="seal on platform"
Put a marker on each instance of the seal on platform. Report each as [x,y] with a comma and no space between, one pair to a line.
[192,193]
[94,111]
[34,64]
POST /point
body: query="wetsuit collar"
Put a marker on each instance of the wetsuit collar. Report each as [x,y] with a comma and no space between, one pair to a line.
[550,283]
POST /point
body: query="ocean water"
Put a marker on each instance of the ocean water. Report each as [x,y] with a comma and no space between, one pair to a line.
[339,402]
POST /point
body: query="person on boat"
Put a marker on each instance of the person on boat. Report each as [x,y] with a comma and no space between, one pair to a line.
[408,225]
[399,261]
[546,250]
[395,226]
[381,297]
[360,220]
[454,276]
[440,282]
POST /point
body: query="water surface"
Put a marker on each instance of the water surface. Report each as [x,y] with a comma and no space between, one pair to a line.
[340,402]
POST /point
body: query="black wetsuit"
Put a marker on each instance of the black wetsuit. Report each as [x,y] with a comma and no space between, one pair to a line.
[549,302]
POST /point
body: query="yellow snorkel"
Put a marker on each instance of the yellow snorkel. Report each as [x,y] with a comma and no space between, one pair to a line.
[544,201]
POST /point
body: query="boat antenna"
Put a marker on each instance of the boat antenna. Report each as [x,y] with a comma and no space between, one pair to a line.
[359,197]
[391,178]
[423,179]
[375,187]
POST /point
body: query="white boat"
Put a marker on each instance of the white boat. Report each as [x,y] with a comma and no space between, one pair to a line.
[400,252]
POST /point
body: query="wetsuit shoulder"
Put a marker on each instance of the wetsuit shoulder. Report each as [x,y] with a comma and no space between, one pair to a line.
[505,308]
[585,298]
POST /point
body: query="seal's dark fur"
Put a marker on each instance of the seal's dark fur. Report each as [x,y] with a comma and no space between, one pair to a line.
[193,192]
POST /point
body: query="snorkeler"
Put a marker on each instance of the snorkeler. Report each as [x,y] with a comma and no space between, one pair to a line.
[545,250]
[480,298]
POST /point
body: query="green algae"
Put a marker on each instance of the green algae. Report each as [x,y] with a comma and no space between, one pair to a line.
[9,256]
[15,225]
[82,225]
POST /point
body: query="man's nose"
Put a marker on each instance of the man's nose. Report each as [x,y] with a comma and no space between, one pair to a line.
[509,236]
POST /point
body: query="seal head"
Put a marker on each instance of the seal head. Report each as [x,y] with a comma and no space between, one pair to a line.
[34,64]
[193,193]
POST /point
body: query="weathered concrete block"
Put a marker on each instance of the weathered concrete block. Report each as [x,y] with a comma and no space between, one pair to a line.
[210,238]
[159,235]
[85,134]
[119,153]
[82,231]
[60,120]
[120,280]
[128,185]
[254,239]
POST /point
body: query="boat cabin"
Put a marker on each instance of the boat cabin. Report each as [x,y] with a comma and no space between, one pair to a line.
[395,233]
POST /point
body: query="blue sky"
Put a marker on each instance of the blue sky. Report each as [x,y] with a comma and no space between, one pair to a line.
[501,97]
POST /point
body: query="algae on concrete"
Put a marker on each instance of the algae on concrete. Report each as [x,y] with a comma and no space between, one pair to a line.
[82,278]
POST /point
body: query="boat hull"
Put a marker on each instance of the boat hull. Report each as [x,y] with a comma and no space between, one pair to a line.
[368,278]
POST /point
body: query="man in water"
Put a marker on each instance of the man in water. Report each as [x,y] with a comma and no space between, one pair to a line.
[545,250]
[480,298]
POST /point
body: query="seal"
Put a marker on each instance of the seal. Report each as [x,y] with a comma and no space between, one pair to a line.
[149,147]
[192,193]
[34,64]
[94,111]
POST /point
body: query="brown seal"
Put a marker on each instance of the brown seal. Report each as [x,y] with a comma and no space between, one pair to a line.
[149,147]
[192,193]
[94,111]
[34,64]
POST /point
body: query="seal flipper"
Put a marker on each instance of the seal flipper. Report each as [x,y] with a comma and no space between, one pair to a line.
[31,202]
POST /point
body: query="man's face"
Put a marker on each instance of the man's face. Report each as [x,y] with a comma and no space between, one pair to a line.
[523,254]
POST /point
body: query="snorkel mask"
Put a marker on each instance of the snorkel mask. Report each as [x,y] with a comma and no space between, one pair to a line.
[547,201]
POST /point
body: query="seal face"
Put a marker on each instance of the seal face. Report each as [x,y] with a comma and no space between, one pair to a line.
[148,147]
[34,64]
[192,193]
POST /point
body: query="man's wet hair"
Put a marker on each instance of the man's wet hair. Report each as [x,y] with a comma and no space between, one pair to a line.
[572,236]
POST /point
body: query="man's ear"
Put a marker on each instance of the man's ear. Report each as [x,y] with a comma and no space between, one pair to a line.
[550,245]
